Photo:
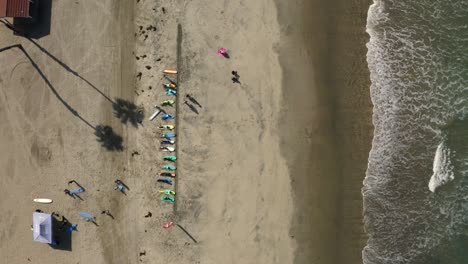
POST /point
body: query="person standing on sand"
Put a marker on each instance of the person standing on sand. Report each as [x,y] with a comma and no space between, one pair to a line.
[66,191]
[120,188]
[223,53]
[235,74]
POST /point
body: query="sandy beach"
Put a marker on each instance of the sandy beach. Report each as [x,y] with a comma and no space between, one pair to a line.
[268,170]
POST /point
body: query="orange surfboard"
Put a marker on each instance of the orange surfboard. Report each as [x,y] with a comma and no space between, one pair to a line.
[170,71]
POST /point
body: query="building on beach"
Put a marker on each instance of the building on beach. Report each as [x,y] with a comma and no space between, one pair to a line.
[15,8]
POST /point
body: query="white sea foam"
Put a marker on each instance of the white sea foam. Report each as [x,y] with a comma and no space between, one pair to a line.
[443,168]
[417,61]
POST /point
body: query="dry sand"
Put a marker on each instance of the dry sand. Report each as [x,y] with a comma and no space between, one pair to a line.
[269,171]
[44,144]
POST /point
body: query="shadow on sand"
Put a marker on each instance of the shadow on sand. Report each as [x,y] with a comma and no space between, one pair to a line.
[49,84]
[108,138]
[187,233]
[192,107]
[127,112]
[57,60]
[61,234]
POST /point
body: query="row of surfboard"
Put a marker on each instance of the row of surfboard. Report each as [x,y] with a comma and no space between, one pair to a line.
[47,200]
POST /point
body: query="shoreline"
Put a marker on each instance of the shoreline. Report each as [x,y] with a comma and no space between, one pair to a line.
[327,156]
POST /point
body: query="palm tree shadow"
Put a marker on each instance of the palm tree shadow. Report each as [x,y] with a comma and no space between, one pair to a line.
[127,112]
[108,138]
[49,84]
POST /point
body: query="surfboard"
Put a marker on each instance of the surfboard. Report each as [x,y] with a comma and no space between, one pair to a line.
[153,116]
[43,200]
[170,71]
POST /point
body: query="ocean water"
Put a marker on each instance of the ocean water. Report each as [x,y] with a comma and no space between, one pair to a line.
[416,188]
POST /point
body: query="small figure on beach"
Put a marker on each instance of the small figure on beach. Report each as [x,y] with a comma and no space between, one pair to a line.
[75,192]
[223,53]
[64,223]
[107,212]
[87,217]
[235,74]
[135,153]
[235,80]
[149,214]
[166,226]
[120,188]
[72,228]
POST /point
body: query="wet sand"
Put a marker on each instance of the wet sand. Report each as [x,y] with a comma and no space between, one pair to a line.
[328,111]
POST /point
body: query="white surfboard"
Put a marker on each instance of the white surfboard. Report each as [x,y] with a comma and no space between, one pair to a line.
[153,116]
[43,200]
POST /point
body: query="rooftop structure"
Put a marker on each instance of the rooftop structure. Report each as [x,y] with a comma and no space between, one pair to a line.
[14,8]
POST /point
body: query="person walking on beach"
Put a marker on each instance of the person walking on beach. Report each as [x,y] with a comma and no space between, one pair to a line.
[120,188]
[107,212]
[235,80]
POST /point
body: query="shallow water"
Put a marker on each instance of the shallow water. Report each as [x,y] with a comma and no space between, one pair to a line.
[419,72]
